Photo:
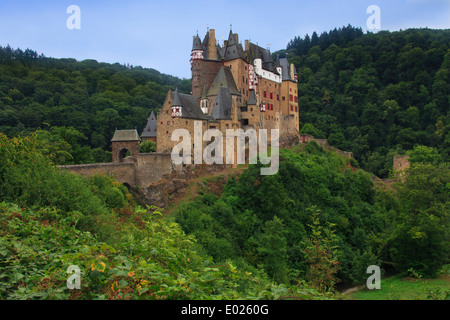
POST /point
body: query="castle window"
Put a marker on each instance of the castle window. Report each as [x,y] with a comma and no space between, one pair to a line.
[292,108]
[296,109]
[167,132]
[271,95]
[265,94]
[168,123]
[290,97]
[278,97]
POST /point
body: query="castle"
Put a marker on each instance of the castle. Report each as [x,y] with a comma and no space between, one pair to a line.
[233,87]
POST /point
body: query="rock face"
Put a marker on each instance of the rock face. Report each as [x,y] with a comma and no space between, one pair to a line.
[173,185]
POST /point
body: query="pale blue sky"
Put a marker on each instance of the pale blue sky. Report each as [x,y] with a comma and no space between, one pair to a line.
[158,34]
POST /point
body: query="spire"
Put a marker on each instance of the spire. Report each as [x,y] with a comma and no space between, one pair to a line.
[176,98]
[231,39]
[197,43]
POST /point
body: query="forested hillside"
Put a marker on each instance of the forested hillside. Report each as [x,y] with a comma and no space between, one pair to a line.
[322,221]
[374,94]
[79,104]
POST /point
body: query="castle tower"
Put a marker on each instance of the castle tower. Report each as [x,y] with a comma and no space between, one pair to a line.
[204,62]
[197,52]
[124,142]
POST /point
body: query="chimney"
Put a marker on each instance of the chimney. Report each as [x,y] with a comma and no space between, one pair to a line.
[212,50]
[236,37]
[292,71]
[247,45]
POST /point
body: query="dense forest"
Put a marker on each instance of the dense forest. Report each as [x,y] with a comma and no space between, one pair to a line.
[77,105]
[374,94]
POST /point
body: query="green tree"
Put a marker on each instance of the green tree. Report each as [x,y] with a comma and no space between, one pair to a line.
[272,250]
[148,146]
[418,235]
[321,252]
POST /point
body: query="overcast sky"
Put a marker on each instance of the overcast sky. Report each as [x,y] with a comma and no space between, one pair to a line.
[158,34]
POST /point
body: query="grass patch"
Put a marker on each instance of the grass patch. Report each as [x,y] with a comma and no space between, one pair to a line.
[407,288]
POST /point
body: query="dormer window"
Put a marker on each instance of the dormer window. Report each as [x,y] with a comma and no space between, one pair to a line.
[176,111]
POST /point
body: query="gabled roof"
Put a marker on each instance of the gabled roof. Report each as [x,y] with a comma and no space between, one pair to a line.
[150,128]
[222,106]
[125,135]
[190,108]
[224,78]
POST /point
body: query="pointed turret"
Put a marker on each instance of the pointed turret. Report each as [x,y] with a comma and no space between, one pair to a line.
[176,105]
[197,50]
[204,100]
[149,131]
[232,48]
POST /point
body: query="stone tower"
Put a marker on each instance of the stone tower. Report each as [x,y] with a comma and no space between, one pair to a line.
[125,141]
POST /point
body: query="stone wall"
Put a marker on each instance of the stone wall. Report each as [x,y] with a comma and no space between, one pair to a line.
[144,170]
[401,163]
[151,167]
[122,172]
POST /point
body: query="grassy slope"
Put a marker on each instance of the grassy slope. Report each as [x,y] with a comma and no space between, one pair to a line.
[406,288]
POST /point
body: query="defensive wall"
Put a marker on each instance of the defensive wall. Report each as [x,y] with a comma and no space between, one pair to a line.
[140,170]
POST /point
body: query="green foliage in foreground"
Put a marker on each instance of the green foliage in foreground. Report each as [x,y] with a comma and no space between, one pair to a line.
[155,261]
[50,220]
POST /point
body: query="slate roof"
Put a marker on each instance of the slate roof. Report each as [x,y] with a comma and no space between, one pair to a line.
[190,108]
[150,128]
[252,100]
[233,49]
[197,43]
[125,135]
[222,106]
[224,78]
[286,69]
[257,52]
